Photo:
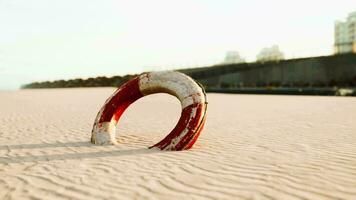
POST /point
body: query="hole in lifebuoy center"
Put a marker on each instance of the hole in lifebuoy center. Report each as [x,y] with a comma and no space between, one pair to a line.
[148,120]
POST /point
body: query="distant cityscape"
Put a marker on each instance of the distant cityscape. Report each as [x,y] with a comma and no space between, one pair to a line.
[344,42]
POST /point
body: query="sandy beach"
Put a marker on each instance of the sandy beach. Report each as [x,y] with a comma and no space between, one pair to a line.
[252,147]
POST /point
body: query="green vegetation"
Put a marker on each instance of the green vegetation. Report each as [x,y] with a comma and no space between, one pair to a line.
[100,81]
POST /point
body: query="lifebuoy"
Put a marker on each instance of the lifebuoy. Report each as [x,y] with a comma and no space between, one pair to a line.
[191,95]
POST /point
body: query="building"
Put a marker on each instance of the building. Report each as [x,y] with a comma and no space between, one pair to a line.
[345,35]
[270,54]
[233,57]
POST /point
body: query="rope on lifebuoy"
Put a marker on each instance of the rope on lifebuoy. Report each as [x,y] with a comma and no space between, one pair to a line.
[190,93]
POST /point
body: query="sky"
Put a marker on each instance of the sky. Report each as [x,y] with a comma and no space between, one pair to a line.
[44,40]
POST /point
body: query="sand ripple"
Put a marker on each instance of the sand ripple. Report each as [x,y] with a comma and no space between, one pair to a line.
[253,147]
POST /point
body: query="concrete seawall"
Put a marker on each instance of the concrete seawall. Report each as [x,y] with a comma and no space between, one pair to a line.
[327,71]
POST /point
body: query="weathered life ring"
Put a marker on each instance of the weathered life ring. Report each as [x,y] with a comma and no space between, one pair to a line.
[191,95]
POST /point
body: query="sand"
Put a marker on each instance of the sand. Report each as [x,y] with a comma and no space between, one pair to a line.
[253,147]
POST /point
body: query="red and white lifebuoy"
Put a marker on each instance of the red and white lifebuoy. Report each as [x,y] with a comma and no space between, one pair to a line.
[191,95]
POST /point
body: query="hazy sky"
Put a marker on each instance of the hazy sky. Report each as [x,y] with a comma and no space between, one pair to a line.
[55,39]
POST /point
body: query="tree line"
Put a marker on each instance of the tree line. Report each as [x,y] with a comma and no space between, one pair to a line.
[101,81]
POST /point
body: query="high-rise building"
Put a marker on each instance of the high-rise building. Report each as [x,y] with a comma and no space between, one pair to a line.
[345,35]
[270,54]
[233,57]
